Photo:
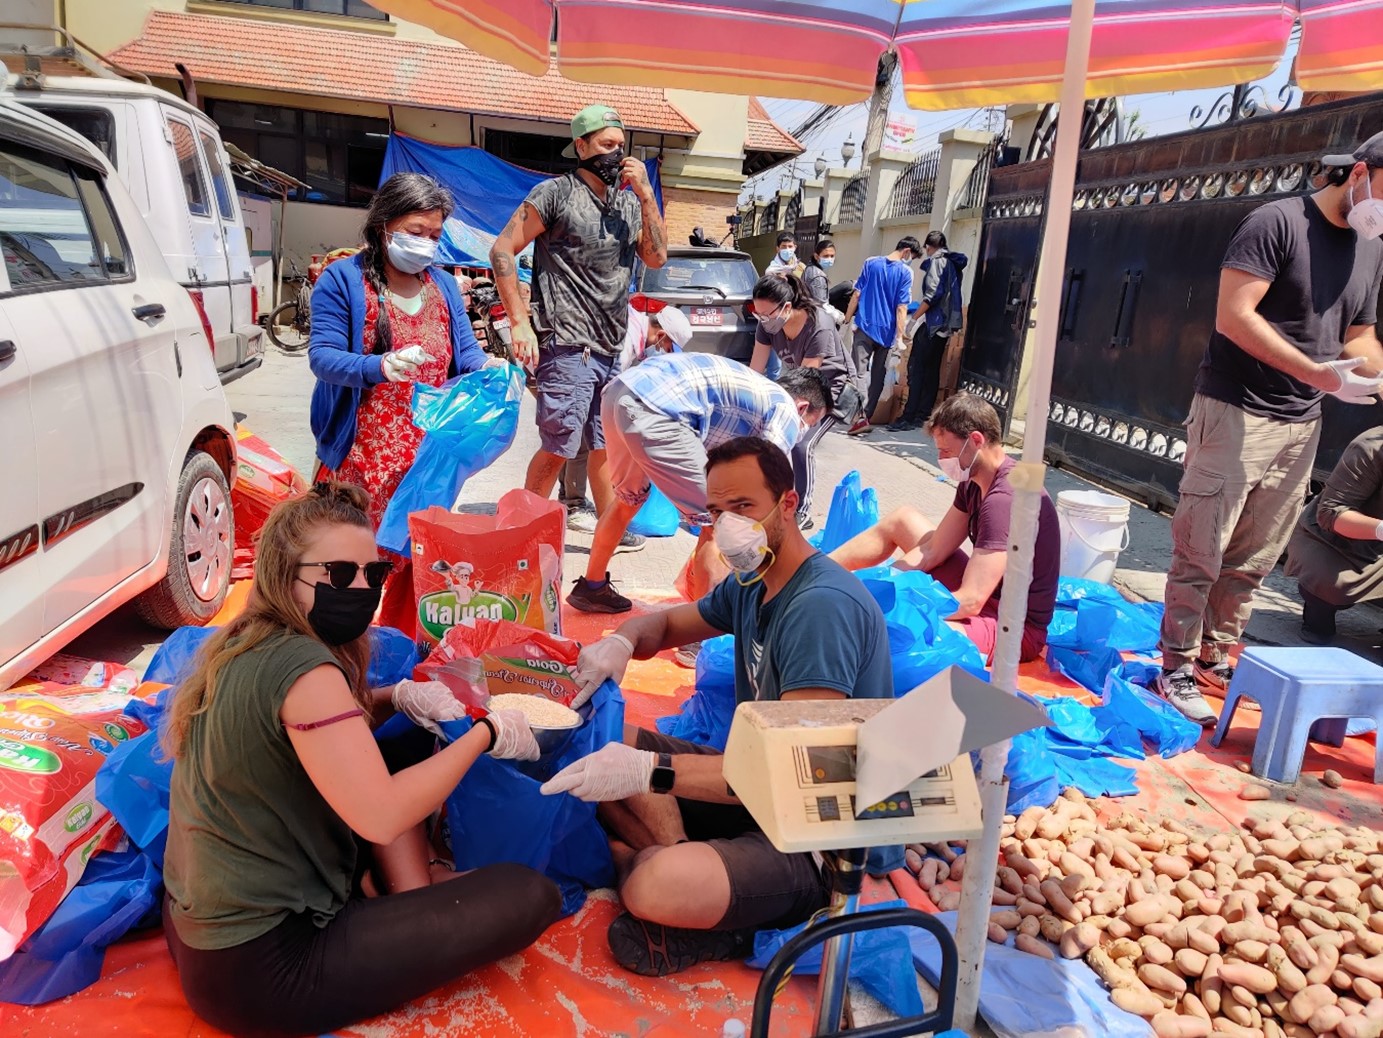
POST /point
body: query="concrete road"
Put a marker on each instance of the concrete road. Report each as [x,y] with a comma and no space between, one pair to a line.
[273,402]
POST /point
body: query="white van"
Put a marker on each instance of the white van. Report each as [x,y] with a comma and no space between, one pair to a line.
[117,445]
[170,156]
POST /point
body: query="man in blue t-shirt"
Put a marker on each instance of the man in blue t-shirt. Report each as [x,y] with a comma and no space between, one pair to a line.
[879,307]
[697,876]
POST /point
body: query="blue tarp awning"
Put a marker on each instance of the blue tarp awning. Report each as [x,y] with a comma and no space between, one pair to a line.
[486,189]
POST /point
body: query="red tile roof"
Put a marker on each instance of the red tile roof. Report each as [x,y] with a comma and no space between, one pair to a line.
[766,135]
[272,55]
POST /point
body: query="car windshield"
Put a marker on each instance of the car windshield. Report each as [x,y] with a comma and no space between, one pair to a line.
[734,277]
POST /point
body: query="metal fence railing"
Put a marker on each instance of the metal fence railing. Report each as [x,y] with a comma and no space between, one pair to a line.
[914,193]
[852,200]
[976,189]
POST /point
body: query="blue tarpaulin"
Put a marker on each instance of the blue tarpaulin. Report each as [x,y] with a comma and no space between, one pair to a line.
[486,189]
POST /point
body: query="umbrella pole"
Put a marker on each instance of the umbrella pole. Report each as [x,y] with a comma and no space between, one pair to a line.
[1027,479]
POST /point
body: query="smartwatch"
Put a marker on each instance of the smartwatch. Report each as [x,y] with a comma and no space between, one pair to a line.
[663,776]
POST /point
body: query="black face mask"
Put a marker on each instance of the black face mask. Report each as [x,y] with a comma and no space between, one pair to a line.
[341,615]
[605,166]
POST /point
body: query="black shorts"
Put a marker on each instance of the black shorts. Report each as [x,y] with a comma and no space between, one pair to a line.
[768,889]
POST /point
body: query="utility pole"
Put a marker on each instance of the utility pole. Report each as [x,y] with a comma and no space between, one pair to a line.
[879,103]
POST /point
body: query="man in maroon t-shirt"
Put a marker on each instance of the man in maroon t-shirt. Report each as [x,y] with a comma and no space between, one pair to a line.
[969,441]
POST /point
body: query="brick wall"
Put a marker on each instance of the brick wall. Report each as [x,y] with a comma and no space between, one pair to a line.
[684,209]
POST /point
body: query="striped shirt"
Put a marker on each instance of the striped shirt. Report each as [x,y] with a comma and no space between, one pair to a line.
[718,398]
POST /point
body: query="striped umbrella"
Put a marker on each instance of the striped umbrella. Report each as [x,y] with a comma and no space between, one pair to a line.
[953,53]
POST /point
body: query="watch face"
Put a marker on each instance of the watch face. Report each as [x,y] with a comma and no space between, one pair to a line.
[663,779]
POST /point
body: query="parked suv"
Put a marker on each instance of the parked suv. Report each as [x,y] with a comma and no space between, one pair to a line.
[170,156]
[714,288]
[117,445]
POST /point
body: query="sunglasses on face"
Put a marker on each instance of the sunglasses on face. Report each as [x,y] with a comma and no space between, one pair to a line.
[342,574]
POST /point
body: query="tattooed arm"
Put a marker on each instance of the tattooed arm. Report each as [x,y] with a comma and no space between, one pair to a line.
[523,227]
[653,239]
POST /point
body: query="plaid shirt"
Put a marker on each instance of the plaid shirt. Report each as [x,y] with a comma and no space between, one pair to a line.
[718,398]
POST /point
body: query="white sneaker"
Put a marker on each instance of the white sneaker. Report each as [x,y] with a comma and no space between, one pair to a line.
[1179,688]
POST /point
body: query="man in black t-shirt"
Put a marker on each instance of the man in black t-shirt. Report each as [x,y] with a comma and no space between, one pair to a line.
[1295,320]
[585,232]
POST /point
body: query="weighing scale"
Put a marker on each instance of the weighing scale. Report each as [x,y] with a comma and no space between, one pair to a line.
[842,776]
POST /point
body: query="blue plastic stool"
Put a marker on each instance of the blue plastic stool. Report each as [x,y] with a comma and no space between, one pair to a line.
[1305,694]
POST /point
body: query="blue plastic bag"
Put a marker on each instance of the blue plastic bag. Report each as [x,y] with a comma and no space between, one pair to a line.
[1107,674]
[467,424]
[853,510]
[920,642]
[1033,778]
[657,518]
[498,815]
[1090,615]
[117,891]
[135,781]
[1024,995]
[173,659]
[880,961]
[705,717]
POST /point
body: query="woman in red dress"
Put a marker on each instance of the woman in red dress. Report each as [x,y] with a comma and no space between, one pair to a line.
[381,321]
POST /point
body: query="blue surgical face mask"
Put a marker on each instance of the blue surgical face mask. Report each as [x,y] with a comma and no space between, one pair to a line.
[787,255]
[828,262]
[410,253]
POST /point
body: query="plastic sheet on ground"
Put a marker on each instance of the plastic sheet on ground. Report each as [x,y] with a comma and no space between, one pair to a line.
[879,961]
[467,423]
[1026,996]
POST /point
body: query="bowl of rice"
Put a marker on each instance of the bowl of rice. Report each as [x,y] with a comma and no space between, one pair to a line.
[550,720]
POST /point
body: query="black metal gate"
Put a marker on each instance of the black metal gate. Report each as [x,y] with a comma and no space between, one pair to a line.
[1149,229]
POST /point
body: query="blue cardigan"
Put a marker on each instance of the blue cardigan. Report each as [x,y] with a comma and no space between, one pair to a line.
[337,355]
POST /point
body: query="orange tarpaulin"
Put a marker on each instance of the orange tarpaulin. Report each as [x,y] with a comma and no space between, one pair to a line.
[568,985]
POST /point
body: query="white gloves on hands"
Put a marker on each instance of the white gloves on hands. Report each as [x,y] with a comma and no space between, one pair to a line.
[1353,389]
[494,362]
[426,702]
[513,737]
[613,772]
[605,659]
[398,368]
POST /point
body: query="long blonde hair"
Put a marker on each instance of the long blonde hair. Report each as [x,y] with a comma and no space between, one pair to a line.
[271,608]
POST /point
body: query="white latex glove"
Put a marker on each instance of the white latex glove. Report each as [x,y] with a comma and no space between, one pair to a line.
[398,368]
[513,737]
[605,659]
[494,362]
[1353,389]
[426,702]
[613,772]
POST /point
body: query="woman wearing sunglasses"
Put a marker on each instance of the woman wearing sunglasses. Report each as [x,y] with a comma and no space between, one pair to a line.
[281,802]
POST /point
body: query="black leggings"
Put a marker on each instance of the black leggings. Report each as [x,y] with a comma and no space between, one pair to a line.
[375,955]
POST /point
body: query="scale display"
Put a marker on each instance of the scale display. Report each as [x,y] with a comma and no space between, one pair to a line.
[793,766]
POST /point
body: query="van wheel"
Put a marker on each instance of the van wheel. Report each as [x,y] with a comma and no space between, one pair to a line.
[201,553]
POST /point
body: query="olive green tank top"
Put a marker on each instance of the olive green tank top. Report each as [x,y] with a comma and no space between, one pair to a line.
[250,840]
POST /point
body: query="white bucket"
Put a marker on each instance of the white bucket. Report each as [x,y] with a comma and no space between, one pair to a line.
[1094,530]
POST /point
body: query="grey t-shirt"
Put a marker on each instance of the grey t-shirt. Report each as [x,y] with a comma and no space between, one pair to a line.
[818,339]
[822,630]
[582,263]
[1323,279]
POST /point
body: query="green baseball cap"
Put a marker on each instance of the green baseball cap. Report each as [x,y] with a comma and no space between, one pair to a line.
[588,120]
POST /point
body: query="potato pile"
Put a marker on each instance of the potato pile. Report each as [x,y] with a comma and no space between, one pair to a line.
[1273,931]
